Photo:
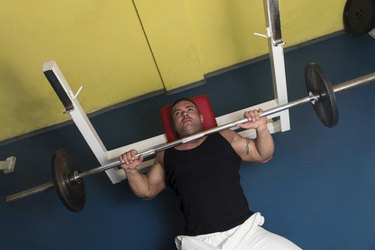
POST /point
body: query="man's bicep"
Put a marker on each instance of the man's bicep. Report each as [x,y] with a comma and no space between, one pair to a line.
[245,148]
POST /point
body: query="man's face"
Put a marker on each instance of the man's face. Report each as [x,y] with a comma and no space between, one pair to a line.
[186,118]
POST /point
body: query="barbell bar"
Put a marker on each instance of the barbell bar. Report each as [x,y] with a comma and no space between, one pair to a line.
[67,179]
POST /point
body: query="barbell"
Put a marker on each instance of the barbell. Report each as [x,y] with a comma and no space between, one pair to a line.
[68,180]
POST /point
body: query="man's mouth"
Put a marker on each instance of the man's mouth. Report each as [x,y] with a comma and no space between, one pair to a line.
[186,120]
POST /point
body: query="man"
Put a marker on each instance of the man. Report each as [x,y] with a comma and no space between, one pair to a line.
[204,175]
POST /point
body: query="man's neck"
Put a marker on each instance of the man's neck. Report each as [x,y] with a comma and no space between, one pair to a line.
[191,144]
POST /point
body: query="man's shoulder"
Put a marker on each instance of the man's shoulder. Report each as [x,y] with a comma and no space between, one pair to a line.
[229,135]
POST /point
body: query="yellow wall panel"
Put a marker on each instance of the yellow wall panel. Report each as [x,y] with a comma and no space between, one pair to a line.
[223,30]
[97,44]
[123,49]
[303,20]
[169,35]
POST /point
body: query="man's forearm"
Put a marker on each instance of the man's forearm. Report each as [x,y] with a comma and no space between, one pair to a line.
[138,183]
[264,143]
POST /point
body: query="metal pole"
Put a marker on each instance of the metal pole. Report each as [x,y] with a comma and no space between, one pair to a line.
[193,137]
[337,88]
[311,98]
[362,80]
[31,191]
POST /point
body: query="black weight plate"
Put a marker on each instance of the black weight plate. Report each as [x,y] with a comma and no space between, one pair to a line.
[72,194]
[359,16]
[317,83]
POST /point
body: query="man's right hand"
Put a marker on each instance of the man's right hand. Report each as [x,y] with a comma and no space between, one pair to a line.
[128,161]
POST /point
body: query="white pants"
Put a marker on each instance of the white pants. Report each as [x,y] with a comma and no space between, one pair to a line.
[249,235]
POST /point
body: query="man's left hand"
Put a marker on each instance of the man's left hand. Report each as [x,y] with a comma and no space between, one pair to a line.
[255,121]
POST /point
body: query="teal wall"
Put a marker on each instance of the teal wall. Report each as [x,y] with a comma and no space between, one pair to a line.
[318,190]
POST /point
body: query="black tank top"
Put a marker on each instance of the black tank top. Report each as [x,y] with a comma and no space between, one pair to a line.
[207,183]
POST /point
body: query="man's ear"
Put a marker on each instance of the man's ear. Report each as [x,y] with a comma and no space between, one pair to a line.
[201,117]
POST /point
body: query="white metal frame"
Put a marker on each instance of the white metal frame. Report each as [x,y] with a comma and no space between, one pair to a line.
[276,48]
[275,125]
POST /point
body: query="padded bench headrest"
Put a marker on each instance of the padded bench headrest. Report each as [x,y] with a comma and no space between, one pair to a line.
[204,107]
